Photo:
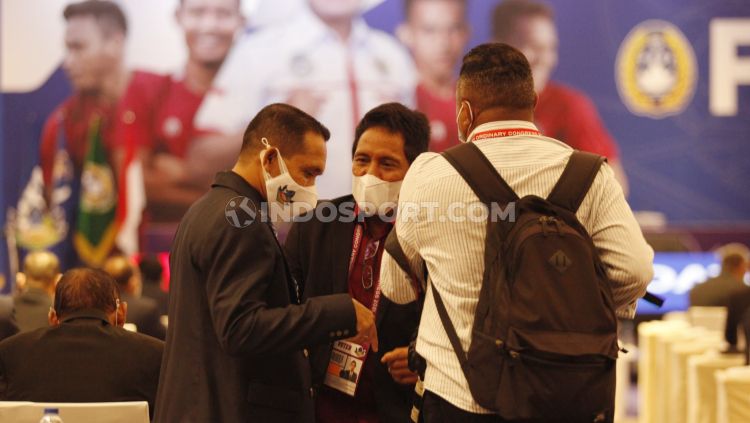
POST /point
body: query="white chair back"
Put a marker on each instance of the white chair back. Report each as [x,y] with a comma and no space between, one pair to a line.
[711,318]
[702,406]
[733,395]
[87,412]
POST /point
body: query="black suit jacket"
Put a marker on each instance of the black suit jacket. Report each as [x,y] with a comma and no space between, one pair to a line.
[144,314]
[31,309]
[83,359]
[318,255]
[235,340]
[717,291]
[739,305]
[8,325]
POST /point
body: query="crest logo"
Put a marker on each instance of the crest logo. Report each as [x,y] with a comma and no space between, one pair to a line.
[656,70]
[98,194]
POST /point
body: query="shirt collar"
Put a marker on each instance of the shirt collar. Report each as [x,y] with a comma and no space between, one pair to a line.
[238,184]
[314,28]
[502,124]
[91,314]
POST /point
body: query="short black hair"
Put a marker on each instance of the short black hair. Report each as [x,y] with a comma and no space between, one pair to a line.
[409,5]
[397,118]
[499,76]
[108,14]
[508,12]
[83,288]
[284,126]
[151,269]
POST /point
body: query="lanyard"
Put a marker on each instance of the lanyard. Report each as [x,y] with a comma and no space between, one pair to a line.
[499,133]
[356,244]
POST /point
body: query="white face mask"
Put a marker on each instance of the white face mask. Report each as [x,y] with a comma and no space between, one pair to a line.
[284,190]
[374,195]
[463,137]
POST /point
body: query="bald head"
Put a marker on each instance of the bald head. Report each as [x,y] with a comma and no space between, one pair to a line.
[41,268]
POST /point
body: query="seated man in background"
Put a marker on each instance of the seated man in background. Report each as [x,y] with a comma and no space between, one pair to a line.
[84,355]
[41,270]
[142,312]
[717,291]
[8,325]
[152,274]
[342,255]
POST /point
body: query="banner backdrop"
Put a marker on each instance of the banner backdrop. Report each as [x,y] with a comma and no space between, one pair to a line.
[670,81]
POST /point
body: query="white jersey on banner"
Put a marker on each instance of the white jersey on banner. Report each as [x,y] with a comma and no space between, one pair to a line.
[306,64]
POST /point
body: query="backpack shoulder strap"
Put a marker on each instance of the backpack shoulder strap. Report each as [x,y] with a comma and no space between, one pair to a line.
[576,180]
[393,247]
[479,173]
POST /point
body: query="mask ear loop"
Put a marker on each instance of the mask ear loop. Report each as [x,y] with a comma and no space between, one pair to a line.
[282,165]
[117,308]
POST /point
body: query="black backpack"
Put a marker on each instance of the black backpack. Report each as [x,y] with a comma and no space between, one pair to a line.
[544,339]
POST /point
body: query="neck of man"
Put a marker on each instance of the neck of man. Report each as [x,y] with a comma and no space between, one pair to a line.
[442,86]
[114,85]
[200,75]
[495,114]
[252,175]
[377,227]
[341,26]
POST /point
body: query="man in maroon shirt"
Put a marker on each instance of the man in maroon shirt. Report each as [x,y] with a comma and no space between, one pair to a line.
[562,112]
[436,32]
[157,121]
[342,255]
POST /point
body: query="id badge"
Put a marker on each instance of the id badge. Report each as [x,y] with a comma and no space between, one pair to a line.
[345,366]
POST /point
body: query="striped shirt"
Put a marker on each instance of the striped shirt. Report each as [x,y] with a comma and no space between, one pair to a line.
[436,224]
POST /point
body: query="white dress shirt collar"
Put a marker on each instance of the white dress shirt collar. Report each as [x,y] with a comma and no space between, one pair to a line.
[502,124]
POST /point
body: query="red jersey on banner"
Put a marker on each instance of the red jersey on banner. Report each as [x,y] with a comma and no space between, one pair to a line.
[441,112]
[569,116]
[159,116]
[77,113]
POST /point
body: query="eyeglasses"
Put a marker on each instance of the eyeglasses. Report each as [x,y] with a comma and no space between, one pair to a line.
[368,272]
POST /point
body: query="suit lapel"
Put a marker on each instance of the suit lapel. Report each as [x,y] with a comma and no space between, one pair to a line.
[341,252]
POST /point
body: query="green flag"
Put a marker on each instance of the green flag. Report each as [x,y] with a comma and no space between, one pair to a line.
[96,229]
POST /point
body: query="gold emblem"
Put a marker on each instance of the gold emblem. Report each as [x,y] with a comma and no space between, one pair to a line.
[97,188]
[656,70]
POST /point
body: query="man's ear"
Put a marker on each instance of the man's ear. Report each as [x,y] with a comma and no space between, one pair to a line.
[536,99]
[52,317]
[270,161]
[122,313]
[405,35]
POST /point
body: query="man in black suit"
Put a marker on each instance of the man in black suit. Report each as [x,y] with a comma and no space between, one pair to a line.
[84,355]
[152,274]
[142,312]
[41,270]
[321,257]
[717,291]
[8,325]
[237,331]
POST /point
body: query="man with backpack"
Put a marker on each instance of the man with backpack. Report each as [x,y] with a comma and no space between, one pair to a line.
[525,276]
